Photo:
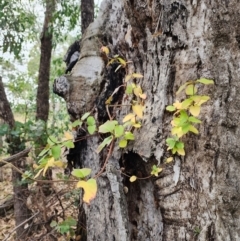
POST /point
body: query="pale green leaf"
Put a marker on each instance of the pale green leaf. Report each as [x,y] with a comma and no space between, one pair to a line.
[118,131]
[123,143]
[205,81]
[107,126]
[105,142]
[81,173]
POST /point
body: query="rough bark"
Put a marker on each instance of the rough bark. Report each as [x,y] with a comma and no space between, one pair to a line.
[45,62]
[170,42]
[21,212]
[5,110]
[87,13]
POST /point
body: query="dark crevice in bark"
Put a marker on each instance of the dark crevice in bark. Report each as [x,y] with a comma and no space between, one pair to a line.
[77,155]
[112,80]
[82,224]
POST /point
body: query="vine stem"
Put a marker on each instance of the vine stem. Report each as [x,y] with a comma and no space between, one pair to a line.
[36,180]
[107,158]
[6,238]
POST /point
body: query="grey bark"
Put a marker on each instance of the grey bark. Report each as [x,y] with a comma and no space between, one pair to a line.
[87,14]
[170,42]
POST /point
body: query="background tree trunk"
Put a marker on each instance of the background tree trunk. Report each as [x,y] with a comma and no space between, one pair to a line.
[87,13]
[21,212]
[197,197]
[45,61]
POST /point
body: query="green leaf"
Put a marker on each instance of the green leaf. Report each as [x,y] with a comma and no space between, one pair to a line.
[186,103]
[118,131]
[85,116]
[56,152]
[68,144]
[193,129]
[180,145]
[205,81]
[91,129]
[155,170]
[123,143]
[171,142]
[44,151]
[105,142]
[53,224]
[191,90]
[129,89]
[183,117]
[81,173]
[76,123]
[91,121]
[194,119]
[181,88]
[185,128]
[129,135]
[200,99]
[170,108]
[52,140]
[107,127]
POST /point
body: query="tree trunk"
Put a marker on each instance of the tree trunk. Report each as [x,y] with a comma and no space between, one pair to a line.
[21,212]
[87,13]
[45,62]
[169,42]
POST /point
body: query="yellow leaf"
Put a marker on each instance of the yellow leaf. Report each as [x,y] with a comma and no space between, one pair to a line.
[105,50]
[136,75]
[169,159]
[128,117]
[50,163]
[68,136]
[177,131]
[128,77]
[194,110]
[108,101]
[143,96]
[181,152]
[39,172]
[90,189]
[35,166]
[137,125]
[133,85]
[137,91]
[177,105]
[193,129]
[60,164]
[122,61]
[133,179]
[138,110]
[191,90]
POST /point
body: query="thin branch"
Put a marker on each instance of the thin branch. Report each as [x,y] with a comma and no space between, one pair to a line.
[106,161]
[15,157]
[21,225]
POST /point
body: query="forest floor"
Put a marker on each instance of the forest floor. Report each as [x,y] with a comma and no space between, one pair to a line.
[59,204]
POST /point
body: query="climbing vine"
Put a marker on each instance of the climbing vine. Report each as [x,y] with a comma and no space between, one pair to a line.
[185,115]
